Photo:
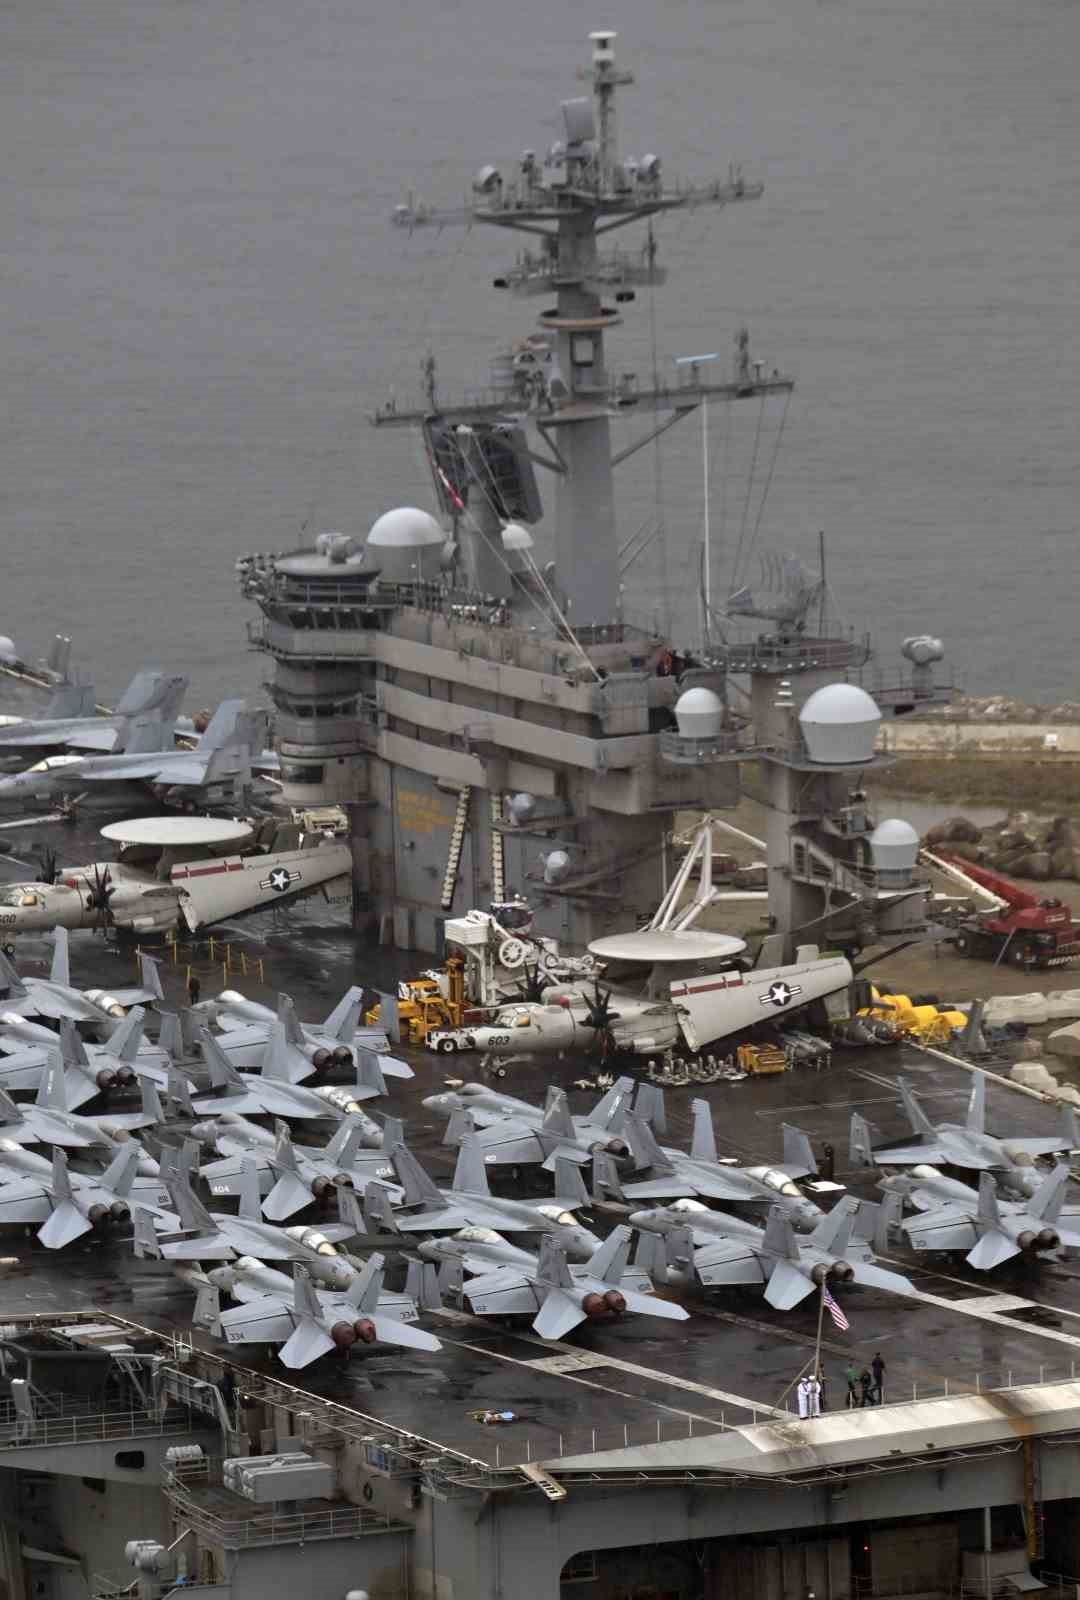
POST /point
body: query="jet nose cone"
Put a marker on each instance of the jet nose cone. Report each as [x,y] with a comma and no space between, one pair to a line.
[645,1219]
[442,1102]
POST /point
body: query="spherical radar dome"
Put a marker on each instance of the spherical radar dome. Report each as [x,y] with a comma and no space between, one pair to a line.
[894,845]
[699,714]
[515,537]
[839,725]
[406,528]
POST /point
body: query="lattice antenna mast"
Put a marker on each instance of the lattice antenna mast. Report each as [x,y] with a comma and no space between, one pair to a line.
[580,190]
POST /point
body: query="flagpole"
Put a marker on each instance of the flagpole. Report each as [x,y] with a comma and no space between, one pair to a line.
[820,1317]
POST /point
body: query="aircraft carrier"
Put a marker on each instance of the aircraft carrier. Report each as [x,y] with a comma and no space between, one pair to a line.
[494,725]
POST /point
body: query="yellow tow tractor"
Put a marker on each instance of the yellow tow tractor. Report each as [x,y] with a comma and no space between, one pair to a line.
[425,1004]
[924,1024]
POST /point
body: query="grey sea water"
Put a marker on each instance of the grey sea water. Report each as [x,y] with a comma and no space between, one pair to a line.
[202,299]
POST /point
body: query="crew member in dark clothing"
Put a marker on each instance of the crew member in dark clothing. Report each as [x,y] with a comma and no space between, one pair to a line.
[877,1367]
[866,1385]
[827,1164]
[194,989]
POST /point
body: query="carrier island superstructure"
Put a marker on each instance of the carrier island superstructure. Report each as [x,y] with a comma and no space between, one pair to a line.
[492,724]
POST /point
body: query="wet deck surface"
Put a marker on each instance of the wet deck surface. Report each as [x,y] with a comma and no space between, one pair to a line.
[640,1379]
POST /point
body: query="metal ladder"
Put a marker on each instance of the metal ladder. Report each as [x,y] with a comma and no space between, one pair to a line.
[498,858]
[457,844]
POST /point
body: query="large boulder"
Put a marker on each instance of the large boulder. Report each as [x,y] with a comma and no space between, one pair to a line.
[1065,1042]
[1005,1008]
[1060,834]
[1034,1075]
[1062,1005]
[1063,861]
[960,830]
[1021,1049]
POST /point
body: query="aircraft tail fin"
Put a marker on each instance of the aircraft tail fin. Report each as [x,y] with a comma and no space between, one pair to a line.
[72,1049]
[393,1132]
[119,1175]
[779,1239]
[369,1073]
[1069,1128]
[451,1280]
[219,730]
[889,1211]
[288,1019]
[144,736]
[207,1312]
[284,1155]
[650,1106]
[470,1174]
[248,1190]
[860,1142]
[988,1213]
[613,1103]
[650,1255]
[10,1110]
[124,1041]
[150,975]
[364,1291]
[799,1157]
[569,1184]
[1049,1197]
[342,1148]
[58,661]
[552,1268]
[610,1261]
[336,1022]
[378,1213]
[194,1217]
[976,1112]
[703,1144]
[61,1182]
[146,1240]
[644,1148]
[920,1122]
[419,1188]
[557,1120]
[60,966]
[151,1101]
[52,1090]
[222,1072]
[275,1061]
[833,1232]
[461,1122]
[605,1178]
[179,1095]
[305,1300]
[422,1285]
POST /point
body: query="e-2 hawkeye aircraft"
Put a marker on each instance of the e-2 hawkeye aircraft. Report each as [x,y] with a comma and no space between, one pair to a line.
[192,871]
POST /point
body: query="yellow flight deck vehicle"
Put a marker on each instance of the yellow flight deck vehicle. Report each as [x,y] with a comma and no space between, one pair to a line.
[434,1000]
[926,1024]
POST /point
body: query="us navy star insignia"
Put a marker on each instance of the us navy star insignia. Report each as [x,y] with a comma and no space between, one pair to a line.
[780,993]
[280,880]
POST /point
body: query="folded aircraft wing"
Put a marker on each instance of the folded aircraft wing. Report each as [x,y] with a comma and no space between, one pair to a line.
[718,1264]
[1040,1147]
[505,1292]
[100,740]
[225,1177]
[226,886]
[24,1201]
[123,769]
[267,1320]
[947,1228]
[910,1155]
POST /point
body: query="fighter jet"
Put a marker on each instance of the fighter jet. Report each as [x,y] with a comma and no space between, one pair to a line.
[57,997]
[717,1250]
[150,693]
[220,1236]
[291,1176]
[674,1173]
[560,1295]
[48,1121]
[246,1026]
[69,1205]
[513,1131]
[221,760]
[305,1321]
[89,1069]
[271,1091]
[469,1203]
[20,1165]
[949,1144]
[991,1231]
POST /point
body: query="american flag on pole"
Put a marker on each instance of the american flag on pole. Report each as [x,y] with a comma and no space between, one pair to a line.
[835,1312]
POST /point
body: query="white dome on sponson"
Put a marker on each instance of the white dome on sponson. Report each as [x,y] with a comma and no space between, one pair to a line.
[406,528]
[894,845]
[839,725]
[699,714]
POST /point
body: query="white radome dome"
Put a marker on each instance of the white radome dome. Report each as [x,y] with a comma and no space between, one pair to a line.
[516,537]
[839,725]
[699,714]
[8,651]
[406,528]
[894,845]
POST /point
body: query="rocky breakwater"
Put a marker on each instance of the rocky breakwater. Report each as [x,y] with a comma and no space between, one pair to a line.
[1017,846]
